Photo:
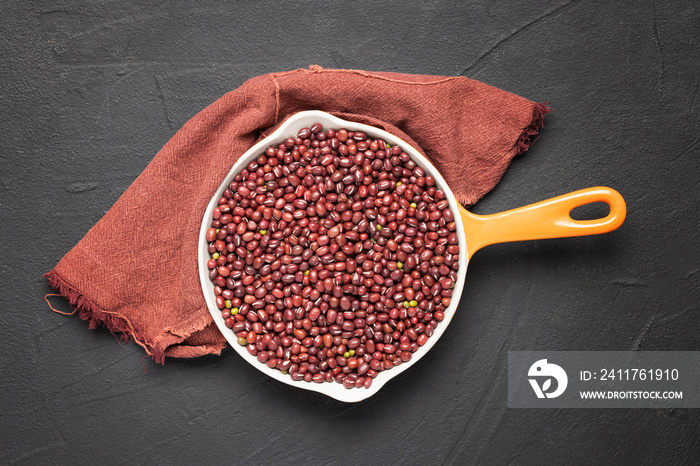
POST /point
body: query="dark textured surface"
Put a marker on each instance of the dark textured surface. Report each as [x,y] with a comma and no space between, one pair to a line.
[89,93]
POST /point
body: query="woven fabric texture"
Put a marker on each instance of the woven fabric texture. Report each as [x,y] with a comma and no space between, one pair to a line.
[136,270]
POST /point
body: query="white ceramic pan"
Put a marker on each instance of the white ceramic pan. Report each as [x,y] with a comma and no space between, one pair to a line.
[546,219]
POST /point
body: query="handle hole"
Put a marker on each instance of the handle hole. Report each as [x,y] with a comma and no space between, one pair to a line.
[592,211]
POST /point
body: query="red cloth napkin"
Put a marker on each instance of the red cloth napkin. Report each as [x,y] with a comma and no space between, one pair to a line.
[136,270]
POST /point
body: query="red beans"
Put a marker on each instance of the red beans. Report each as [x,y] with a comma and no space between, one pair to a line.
[333,256]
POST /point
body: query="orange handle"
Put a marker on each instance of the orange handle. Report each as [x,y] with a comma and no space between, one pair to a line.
[546,219]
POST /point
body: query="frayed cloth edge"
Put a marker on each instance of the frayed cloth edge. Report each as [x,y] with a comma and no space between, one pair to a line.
[528,136]
[531,132]
[92,313]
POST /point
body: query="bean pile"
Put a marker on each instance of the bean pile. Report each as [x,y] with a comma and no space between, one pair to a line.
[333,256]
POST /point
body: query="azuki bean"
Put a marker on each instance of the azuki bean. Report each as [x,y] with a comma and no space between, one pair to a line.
[319,264]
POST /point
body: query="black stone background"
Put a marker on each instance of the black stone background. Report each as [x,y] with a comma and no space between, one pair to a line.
[90,91]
